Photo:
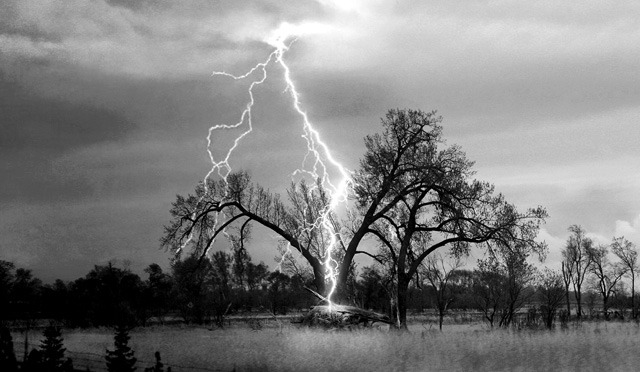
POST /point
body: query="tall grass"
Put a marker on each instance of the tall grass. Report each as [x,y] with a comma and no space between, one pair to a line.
[588,347]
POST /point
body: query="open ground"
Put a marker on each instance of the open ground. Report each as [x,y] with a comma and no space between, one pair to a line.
[275,346]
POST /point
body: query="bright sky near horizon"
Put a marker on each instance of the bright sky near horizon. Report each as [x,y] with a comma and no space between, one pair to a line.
[105,107]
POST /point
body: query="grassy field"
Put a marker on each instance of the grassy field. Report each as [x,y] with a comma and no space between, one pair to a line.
[586,347]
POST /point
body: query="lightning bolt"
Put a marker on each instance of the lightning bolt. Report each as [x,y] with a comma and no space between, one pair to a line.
[318,158]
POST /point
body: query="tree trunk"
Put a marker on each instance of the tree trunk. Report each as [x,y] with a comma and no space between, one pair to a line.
[568,301]
[578,295]
[318,280]
[549,314]
[401,302]
[633,295]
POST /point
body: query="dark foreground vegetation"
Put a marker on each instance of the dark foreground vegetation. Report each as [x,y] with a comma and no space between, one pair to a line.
[50,355]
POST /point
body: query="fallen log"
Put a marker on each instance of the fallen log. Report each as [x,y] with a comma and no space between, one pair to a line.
[340,316]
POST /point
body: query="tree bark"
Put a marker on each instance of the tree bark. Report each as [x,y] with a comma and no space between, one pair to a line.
[318,280]
[633,295]
[568,301]
[578,295]
[401,302]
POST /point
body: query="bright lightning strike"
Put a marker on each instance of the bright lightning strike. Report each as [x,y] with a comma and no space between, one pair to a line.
[319,156]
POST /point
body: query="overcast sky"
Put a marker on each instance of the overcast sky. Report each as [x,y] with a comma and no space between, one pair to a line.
[105,107]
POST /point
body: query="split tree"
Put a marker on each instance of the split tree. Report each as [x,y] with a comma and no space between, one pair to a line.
[412,193]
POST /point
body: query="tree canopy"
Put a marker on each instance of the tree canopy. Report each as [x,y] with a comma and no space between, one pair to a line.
[412,193]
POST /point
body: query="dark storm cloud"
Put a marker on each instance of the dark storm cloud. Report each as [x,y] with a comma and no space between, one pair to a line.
[539,93]
[81,183]
[36,131]
[64,240]
[53,126]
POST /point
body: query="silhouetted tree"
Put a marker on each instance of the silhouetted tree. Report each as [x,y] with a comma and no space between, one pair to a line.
[607,274]
[238,200]
[417,195]
[576,256]
[25,292]
[109,295]
[519,274]
[409,187]
[372,294]
[488,288]
[190,292]
[461,284]
[52,350]
[56,302]
[567,275]
[437,270]
[6,281]
[121,359]
[33,362]
[219,285]
[551,293]
[158,291]
[8,361]
[240,256]
[278,285]
[628,255]
[256,274]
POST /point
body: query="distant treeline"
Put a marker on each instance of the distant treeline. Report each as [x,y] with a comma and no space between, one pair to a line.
[194,291]
[205,291]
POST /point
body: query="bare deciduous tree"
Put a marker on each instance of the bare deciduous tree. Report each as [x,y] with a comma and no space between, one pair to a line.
[431,200]
[607,274]
[488,288]
[551,292]
[576,255]
[567,274]
[201,218]
[520,274]
[409,188]
[628,255]
[437,269]
[513,276]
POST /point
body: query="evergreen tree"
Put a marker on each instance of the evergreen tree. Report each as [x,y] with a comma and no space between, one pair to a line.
[7,356]
[51,350]
[121,359]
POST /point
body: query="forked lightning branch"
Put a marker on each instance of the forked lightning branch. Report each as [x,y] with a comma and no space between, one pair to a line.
[317,163]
